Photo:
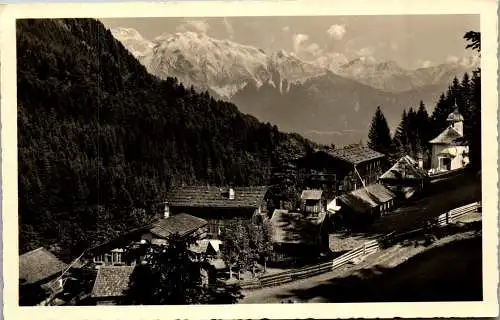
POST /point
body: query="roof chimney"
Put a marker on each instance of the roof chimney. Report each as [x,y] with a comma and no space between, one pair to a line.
[231,193]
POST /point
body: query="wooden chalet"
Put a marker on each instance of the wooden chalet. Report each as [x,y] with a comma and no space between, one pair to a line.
[130,248]
[340,170]
[364,205]
[39,270]
[219,206]
[312,201]
[297,235]
[406,177]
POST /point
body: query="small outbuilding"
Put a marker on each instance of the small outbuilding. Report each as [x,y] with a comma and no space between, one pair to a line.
[298,235]
[406,178]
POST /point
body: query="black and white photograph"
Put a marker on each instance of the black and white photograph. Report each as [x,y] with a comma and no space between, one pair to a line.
[251,159]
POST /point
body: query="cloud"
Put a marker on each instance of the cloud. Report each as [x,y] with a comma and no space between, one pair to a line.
[336,31]
[304,49]
[471,61]
[452,59]
[229,29]
[364,54]
[198,26]
[298,41]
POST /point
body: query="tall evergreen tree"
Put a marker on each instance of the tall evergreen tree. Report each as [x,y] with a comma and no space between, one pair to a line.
[473,39]
[423,123]
[401,138]
[379,136]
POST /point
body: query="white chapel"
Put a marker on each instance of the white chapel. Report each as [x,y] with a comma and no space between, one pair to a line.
[449,148]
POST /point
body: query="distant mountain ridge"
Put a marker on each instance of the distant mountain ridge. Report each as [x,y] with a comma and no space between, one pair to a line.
[328,106]
[207,63]
[389,76]
[225,66]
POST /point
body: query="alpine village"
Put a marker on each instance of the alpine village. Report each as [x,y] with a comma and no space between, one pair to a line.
[139,190]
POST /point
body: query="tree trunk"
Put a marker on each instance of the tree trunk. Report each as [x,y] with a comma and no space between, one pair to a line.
[265,265]
[230,272]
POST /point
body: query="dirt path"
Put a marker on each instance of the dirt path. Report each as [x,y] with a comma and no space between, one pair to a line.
[359,282]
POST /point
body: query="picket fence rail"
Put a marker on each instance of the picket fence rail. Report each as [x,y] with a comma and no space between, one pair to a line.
[363,251]
[453,215]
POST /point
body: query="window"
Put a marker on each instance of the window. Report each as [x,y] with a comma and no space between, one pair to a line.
[117,257]
[99,258]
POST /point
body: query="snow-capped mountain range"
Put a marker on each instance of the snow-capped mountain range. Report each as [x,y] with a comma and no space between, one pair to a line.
[309,97]
[225,67]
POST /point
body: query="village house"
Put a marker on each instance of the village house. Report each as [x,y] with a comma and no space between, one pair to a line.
[298,236]
[449,148]
[131,247]
[39,272]
[406,177]
[340,170]
[219,206]
[312,201]
[362,205]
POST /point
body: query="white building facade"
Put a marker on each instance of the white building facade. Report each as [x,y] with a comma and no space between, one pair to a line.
[449,148]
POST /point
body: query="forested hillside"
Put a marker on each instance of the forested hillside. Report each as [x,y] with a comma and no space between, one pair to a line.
[100,140]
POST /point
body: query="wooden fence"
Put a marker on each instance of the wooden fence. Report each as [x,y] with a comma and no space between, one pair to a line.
[358,253]
[452,215]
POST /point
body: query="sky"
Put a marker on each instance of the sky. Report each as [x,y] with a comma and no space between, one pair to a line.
[412,41]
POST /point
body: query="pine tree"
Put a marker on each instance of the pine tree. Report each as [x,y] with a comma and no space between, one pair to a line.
[474,135]
[401,138]
[379,136]
[423,126]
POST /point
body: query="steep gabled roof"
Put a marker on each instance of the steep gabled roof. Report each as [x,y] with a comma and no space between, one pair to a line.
[449,136]
[380,193]
[295,228]
[363,199]
[311,194]
[181,224]
[111,281]
[356,154]
[215,197]
[37,265]
[406,168]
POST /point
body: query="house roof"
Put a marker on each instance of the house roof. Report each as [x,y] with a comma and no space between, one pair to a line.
[111,281]
[215,197]
[294,227]
[181,224]
[406,168]
[37,265]
[311,194]
[363,199]
[449,136]
[365,196]
[356,154]
[380,193]
[354,203]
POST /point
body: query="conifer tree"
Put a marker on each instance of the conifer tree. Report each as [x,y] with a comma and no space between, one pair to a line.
[379,136]
[401,139]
